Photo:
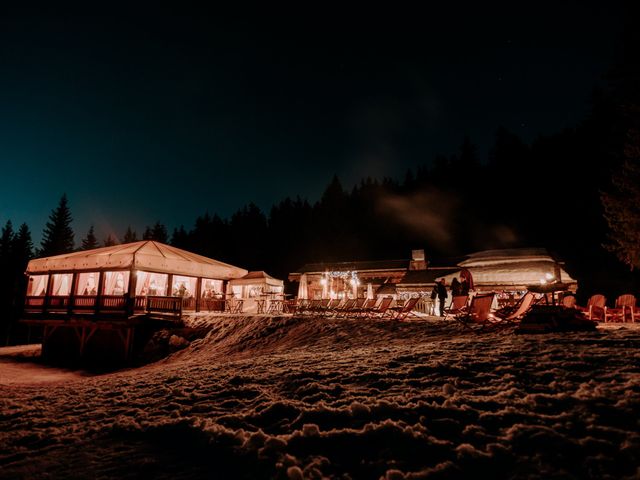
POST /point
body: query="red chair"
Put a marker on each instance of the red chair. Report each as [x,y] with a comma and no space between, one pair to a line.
[624,310]
[459,304]
[595,307]
[402,312]
[478,314]
[514,314]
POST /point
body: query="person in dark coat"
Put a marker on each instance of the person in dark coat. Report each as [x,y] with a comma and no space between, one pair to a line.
[440,292]
[456,287]
[464,287]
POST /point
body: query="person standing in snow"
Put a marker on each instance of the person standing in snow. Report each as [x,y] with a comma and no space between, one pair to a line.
[456,287]
[440,292]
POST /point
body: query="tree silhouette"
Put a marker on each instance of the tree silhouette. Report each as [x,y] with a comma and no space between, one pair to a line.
[90,241]
[180,237]
[57,237]
[110,241]
[6,242]
[622,206]
[130,236]
[158,233]
[23,246]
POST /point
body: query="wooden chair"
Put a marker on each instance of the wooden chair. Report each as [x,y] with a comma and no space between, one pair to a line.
[569,301]
[624,310]
[477,316]
[595,307]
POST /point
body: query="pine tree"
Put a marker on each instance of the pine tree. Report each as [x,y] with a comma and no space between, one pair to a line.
[158,233]
[6,243]
[180,237]
[23,246]
[7,274]
[22,253]
[90,241]
[622,206]
[110,241]
[130,236]
[57,237]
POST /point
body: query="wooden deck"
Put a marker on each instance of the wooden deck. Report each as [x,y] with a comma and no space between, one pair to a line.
[77,322]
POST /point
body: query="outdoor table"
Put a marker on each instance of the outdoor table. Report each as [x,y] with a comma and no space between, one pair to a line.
[549,288]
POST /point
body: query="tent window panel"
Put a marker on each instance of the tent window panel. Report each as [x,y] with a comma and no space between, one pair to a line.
[274,289]
[61,284]
[183,286]
[211,288]
[152,283]
[87,283]
[37,286]
[115,283]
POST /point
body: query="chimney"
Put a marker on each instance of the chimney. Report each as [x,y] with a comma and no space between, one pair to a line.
[418,261]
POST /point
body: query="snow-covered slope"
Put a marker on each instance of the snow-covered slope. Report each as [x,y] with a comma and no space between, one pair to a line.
[264,397]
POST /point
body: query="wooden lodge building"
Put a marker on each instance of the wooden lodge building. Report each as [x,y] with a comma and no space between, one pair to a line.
[508,272]
[108,292]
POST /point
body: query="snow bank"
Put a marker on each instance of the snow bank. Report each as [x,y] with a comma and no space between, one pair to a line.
[269,397]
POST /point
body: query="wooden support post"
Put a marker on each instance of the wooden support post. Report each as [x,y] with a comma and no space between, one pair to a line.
[72,293]
[47,298]
[128,343]
[99,292]
[83,339]
[131,297]
[169,285]
[198,293]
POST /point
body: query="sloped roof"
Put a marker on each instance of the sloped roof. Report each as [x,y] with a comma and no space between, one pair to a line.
[144,255]
[512,255]
[257,274]
[422,277]
[257,277]
[357,266]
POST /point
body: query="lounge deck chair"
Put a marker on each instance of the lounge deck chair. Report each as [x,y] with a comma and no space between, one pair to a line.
[459,304]
[477,317]
[513,315]
[381,310]
[365,308]
[401,312]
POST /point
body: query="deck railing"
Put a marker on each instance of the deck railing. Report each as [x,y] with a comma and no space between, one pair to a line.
[106,304]
[167,306]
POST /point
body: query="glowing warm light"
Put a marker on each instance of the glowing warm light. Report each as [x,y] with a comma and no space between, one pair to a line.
[323,281]
[549,276]
[543,281]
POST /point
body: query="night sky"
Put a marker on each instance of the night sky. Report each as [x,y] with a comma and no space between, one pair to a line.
[164,114]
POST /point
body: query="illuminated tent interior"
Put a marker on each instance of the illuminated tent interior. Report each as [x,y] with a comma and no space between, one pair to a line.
[255,286]
[134,270]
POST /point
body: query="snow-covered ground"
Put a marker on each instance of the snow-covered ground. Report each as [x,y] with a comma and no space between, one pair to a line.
[264,397]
